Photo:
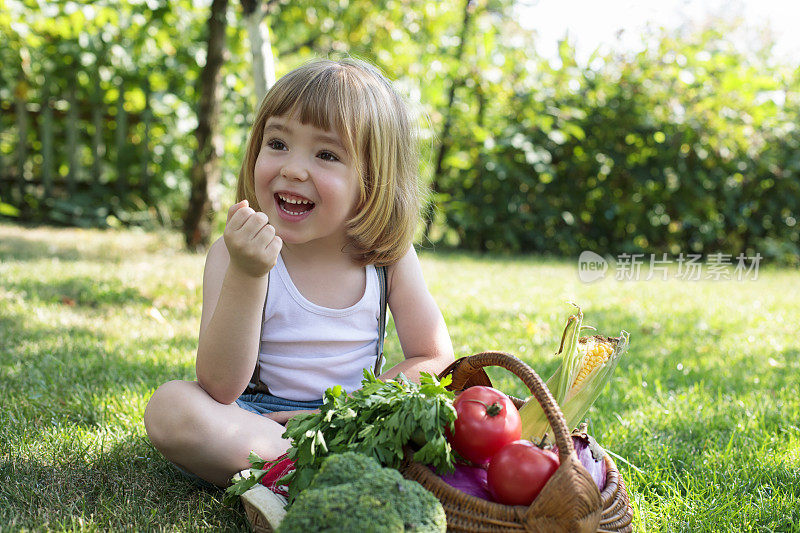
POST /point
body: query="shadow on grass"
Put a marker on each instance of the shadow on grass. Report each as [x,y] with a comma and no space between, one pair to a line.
[117,489]
[76,290]
[73,454]
[33,249]
[61,374]
[81,291]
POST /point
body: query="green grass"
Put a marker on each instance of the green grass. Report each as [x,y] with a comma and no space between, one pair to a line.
[703,412]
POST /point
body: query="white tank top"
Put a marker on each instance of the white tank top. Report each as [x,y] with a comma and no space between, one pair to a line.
[306,348]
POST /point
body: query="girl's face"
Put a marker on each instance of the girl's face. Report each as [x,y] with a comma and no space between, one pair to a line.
[306,182]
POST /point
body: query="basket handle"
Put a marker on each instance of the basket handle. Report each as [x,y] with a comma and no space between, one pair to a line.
[468,371]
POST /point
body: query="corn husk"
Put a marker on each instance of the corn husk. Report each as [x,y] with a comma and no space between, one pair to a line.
[574,400]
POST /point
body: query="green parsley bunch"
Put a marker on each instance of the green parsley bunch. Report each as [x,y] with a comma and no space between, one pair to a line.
[378,420]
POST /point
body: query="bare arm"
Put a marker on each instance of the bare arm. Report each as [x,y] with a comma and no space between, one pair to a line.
[234,287]
[419,323]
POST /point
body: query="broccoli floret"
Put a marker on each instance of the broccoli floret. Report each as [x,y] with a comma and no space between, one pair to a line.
[373,499]
[340,508]
[344,468]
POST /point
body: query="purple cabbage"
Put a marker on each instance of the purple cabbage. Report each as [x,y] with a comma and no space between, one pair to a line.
[591,456]
[470,480]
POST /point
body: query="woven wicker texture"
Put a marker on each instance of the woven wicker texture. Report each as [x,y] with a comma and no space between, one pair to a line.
[570,501]
[258,522]
[264,509]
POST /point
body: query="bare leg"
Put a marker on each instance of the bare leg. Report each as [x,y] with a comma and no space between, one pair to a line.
[205,437]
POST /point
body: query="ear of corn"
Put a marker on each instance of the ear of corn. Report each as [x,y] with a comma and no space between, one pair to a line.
[569,345]
[596,353]
[600,367]
[586,366]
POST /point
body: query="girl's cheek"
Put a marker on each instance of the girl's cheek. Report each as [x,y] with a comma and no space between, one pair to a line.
[260,166]
[263,173]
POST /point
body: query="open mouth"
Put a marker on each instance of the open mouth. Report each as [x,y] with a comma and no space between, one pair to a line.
[292,204]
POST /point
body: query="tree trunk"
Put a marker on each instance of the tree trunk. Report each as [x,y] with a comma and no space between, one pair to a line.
[260,48]
[456,82]
[205,174]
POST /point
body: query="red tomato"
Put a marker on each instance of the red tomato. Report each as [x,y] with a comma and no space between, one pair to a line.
[486,420]
[518,472]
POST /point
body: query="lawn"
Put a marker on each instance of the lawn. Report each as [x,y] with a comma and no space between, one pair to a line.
[703,414]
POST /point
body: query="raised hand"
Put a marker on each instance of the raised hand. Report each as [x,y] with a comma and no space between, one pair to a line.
[251,240]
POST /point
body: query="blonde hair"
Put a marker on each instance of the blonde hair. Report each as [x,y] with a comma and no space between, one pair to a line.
[354,99]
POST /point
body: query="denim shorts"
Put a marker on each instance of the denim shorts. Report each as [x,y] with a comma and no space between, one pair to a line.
[260,404]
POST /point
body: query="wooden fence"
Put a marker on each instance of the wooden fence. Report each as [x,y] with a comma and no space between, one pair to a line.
[61,144]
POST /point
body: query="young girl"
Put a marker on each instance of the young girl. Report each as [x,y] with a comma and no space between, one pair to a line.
[327,191]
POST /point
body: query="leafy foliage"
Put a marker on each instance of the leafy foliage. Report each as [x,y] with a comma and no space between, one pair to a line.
[60,54]
[378,420]
[688,146]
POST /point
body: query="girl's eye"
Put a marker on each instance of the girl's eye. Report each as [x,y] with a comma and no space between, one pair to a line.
[276,144]
[328,156]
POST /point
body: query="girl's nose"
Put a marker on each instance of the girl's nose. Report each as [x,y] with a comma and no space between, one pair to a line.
[293,170]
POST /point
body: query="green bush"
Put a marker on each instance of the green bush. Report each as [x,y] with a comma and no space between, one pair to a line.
[690,146]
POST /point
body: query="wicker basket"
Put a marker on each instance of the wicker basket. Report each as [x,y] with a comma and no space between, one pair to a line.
[570,501]
[264,509]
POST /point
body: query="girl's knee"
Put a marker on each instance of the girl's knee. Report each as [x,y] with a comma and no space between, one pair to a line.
[168,414]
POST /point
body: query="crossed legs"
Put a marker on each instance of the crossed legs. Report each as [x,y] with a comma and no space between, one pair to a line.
[205,437]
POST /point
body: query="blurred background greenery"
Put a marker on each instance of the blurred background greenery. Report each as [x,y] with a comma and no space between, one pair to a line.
[134,113]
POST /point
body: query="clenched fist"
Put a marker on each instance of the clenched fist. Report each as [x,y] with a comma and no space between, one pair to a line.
[251,240]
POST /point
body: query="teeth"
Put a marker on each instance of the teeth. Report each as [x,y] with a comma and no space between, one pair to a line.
[293,201]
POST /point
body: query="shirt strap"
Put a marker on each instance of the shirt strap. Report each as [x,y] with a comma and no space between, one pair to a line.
[382,318]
